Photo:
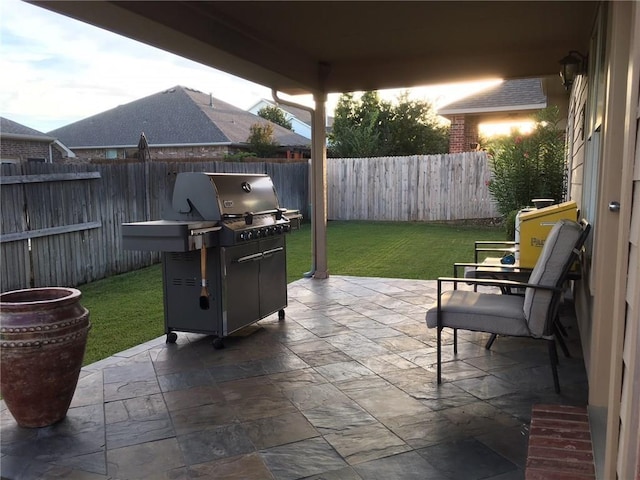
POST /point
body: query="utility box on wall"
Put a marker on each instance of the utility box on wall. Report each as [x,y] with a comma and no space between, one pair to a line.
[536,224]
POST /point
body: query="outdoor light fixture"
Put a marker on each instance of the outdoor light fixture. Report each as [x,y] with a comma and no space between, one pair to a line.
[572,65]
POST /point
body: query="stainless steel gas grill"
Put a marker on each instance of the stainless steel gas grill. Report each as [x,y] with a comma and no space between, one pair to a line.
[223,253]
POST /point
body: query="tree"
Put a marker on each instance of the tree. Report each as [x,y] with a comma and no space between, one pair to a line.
[373,127]
[276,115]
[524,167]
[261,140]
[355,131]
[412,128]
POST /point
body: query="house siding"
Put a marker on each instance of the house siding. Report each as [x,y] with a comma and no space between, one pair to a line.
[576,141]
[604,158]
[628,462]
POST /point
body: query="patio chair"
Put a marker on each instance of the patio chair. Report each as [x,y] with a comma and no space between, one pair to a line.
[529,315]
[493,268]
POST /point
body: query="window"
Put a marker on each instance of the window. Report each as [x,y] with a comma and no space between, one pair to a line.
[593,124]
[111,154]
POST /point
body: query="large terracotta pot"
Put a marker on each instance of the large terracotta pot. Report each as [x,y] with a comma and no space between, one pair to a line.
[43,335]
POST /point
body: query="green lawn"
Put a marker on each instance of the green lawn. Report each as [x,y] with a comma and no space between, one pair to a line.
[127,309]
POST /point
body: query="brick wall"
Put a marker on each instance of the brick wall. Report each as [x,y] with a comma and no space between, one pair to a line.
[157,153]
[22,150]
[463,136]
[165,153]
[212,152]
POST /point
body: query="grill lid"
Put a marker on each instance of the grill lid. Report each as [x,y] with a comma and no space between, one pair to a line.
[216,196]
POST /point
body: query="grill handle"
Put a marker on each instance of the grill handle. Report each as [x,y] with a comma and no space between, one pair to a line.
[268,253]
[202,231]
[243,215]
[199,236]
[249,258]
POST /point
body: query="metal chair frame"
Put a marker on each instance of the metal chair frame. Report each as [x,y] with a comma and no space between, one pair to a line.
[550,328]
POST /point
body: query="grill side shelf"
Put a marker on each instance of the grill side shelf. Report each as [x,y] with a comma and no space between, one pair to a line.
[168,236]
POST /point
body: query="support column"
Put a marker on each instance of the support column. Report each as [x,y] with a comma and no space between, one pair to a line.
[319,187]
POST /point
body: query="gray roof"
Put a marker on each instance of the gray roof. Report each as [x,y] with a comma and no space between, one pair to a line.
[9,128]
[301,114]
[521,94]
[177,116]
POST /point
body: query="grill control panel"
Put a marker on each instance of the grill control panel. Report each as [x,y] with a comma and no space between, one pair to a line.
[262,232]
[261,226]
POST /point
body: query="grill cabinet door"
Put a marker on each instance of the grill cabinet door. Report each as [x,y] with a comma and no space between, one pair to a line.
[182,287]
[273,276]
[240,286]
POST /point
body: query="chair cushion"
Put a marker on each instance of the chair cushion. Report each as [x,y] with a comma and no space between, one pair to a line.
[548,271]
[481,312]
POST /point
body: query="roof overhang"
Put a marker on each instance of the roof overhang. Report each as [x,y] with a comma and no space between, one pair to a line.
[502,109]
[349,46]
[32,138]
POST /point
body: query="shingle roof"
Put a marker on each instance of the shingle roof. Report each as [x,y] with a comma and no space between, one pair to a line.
[521,94]
[11,128]
[177,116]
[301,114]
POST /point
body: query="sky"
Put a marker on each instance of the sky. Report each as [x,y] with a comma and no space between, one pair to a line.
[57,70]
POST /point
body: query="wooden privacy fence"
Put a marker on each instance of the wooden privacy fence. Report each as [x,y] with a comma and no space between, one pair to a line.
[61,224]
[415,188]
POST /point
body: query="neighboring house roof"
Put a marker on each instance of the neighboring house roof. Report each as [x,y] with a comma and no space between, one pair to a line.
[303,115]
[176,116]
[299,113]
[11,129]
[510,95]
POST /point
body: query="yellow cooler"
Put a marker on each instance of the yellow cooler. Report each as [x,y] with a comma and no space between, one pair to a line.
[535,226]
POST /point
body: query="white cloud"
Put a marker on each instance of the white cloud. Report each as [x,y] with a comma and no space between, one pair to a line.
[60,70]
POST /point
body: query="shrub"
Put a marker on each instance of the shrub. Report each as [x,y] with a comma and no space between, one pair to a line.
[510,224]
[531,166]
[239,156]
[261,140]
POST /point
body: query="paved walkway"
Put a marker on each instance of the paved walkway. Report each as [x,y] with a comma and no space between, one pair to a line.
[343,389]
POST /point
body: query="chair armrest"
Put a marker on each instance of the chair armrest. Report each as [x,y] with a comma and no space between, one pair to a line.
[494,283]
[494,242]
[506,266]
[498,268]
[496,246]
[496,249]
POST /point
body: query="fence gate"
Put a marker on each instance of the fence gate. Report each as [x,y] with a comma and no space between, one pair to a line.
[45,228]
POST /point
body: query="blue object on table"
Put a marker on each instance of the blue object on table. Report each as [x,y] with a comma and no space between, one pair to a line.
[509,259]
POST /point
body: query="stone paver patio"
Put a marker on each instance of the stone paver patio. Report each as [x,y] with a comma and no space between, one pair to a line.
[343,389]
